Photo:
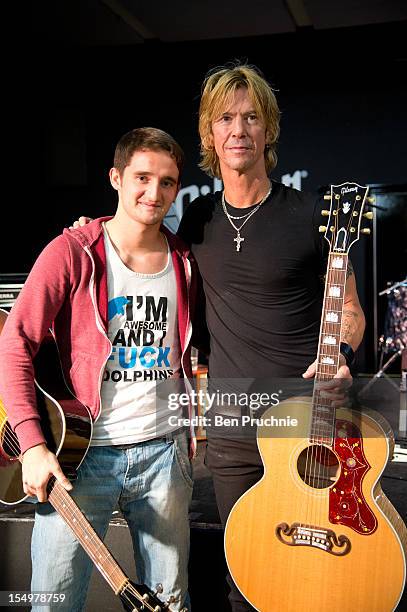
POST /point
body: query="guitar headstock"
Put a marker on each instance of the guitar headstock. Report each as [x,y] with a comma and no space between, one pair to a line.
[135,597]
[347,202]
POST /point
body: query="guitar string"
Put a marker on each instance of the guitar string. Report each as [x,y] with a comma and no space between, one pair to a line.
[320,452]
[107,556]
[56,492]
[324,457]
[332,306]
[323,406]
[312,449]
[310,454]
[319,449]
[326,403]
[338,279]
[89,537]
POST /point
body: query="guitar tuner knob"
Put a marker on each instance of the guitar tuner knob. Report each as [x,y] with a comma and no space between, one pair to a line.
[158,588]
[371,199]
[365,230]
[322,229]
[327,196]
[368,215]
[325,213]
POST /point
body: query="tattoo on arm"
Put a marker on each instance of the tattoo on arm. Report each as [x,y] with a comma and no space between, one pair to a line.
[349,325]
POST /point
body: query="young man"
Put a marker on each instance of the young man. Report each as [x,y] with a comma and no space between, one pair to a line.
[118,295]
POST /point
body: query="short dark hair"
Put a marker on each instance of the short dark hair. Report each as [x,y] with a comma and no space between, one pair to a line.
[150,139]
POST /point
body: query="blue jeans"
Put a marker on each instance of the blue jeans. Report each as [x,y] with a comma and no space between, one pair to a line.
[151,483]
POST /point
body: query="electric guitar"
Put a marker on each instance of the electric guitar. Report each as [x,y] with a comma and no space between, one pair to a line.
[67,427]
[317,532]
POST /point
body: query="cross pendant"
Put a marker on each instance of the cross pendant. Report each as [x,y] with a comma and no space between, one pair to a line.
[238,240]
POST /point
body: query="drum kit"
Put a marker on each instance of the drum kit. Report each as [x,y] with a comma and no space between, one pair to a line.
[393,341]
[393,344]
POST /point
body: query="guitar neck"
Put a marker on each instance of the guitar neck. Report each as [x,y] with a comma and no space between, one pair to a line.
[323,414]
[87,536]
[331,323]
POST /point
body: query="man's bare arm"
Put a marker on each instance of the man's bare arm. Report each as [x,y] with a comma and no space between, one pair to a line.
[353,318]
[353,325]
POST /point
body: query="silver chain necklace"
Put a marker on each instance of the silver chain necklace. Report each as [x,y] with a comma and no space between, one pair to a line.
[246,217]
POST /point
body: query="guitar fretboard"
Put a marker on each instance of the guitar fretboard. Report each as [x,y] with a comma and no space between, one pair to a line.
[323,414]
[87,536]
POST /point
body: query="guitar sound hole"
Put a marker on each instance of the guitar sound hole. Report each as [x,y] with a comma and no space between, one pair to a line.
[318,466]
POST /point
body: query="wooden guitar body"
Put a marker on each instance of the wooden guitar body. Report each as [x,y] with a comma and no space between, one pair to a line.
[65,421]
[316,532]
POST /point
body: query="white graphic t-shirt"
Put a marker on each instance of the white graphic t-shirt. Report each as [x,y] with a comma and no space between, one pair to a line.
[143,330]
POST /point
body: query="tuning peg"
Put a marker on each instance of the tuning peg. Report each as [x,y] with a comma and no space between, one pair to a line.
[322,229]
[371,199]
[325,213]
[158,589]
[368,215]
[365,230]
[327,196]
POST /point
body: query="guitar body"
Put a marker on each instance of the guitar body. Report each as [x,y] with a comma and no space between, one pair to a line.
[66,423]
[330,542]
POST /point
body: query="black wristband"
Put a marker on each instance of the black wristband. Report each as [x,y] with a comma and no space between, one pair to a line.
[348,352]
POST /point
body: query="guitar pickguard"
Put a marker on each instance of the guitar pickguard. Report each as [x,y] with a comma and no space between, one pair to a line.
[347,504]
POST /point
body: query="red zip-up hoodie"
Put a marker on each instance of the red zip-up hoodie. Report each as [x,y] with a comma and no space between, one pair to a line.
[66,290]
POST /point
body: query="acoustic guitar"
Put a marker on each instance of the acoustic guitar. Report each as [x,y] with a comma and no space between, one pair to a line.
[67,427]
[317,532]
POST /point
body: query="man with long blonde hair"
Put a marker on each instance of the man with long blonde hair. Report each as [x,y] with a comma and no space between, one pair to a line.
[261,259]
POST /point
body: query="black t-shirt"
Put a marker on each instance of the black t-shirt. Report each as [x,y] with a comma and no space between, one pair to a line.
[263,304]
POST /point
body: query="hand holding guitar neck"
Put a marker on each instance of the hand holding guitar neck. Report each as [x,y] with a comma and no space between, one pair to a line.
[335,389]
[39,465]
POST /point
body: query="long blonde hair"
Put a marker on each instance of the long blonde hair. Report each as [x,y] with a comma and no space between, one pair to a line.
[218,89]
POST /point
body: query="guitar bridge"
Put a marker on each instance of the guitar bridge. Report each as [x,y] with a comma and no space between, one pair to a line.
[315,537]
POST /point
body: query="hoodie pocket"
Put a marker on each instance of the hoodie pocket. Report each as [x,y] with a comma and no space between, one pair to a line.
[84,375]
